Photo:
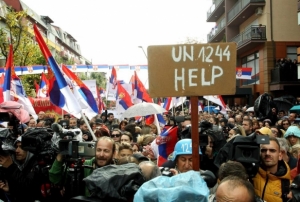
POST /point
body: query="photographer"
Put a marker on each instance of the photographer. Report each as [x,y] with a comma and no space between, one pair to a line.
[22,181]
[104,150]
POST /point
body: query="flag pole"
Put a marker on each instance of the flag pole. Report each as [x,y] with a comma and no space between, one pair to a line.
[89,127]
[208,107]
[182,104]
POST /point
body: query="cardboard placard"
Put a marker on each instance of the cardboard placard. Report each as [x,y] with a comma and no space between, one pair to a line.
[192,69]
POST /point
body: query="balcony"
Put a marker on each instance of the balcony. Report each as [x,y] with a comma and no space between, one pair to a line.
[242,10]
[250,38]
[217,34]
[281,77]
[215,11]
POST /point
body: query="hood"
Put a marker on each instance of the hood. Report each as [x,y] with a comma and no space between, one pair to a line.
[283,172]
[20,165]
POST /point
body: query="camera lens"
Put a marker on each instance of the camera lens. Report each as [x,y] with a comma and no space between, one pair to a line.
[247,153]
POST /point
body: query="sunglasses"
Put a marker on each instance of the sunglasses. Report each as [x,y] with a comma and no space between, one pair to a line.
[115,135]
[265,150]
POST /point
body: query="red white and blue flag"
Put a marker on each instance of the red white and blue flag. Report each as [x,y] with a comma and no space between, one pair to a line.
[243,73]
[13,89]
[59,92]
[217,99]
[166,143]
[124,98]
[43,87]
[140,92]
[82,93]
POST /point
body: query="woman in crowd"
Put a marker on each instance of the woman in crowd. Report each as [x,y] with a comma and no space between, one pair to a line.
[236,131]
[292,134]
[153,130]
[126,137]
[267,123]
[122,125]
[285,124]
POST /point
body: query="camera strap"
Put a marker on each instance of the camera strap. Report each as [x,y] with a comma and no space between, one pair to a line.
[285,189]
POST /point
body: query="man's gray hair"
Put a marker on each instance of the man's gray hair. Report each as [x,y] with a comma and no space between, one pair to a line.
[149,170]
[283,144]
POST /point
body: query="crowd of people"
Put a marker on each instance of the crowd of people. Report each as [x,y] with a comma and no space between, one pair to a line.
[133,142]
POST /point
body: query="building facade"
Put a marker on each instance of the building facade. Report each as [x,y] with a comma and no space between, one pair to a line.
[59,41]
[267,36]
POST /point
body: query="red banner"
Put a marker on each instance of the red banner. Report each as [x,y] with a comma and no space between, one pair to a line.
[44,104]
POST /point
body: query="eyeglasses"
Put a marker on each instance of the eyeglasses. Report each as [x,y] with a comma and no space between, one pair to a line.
[285,124]
[270,150]
[274,131]
[115,135]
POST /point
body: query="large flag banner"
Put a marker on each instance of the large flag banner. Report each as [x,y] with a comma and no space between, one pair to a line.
[13,89]
[243,73]
[124,98]
[167,103]
[217,99]
[140,90]
[83,94]
[59,91]
[166,143]
[44,86]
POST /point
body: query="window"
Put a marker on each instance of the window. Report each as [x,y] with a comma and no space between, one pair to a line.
[291,52]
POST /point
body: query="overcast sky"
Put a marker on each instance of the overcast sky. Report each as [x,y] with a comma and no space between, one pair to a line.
[110,31]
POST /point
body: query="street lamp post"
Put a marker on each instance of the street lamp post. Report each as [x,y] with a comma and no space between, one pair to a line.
[143,51]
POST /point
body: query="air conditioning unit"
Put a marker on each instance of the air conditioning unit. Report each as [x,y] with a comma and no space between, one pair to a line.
[259,11]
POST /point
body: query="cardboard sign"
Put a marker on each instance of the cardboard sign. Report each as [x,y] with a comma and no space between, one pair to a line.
[192,69]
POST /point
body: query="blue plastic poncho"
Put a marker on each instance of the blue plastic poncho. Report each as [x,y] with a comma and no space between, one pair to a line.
[187,187]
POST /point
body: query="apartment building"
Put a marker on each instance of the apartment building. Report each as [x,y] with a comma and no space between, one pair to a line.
[265,31]
[59,41]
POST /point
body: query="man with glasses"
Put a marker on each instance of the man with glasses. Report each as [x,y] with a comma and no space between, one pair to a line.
[116,135]
[273,174]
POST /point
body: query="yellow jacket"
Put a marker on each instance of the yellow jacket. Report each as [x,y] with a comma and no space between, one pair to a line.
[268,186]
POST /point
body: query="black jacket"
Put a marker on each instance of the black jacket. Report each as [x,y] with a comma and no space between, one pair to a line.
[24,180]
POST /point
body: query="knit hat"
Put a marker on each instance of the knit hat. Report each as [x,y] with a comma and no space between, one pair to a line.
[292,130]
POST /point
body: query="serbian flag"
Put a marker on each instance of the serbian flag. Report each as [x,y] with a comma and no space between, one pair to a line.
[243,73]
[217,99]
[139,88]
[112,85]
[59,92]
[1,87]
[12,87]
[82,93]
[43,87]
[7,78]
[102,92]
[166,143]
[167,103]
[124,98]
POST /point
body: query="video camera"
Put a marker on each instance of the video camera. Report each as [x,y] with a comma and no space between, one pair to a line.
[245,150]
[75,149]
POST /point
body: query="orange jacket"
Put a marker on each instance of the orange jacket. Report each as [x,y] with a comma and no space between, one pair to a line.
[268,185]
